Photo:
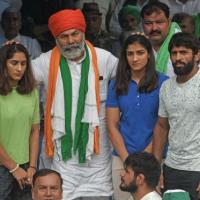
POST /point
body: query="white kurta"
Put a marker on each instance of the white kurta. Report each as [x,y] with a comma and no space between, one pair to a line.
[191,7]
[94,177]
[152,196]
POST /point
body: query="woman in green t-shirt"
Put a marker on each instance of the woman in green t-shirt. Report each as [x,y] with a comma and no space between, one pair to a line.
[19,123]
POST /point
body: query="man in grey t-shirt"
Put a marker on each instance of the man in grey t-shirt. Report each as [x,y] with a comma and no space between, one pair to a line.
[179,118]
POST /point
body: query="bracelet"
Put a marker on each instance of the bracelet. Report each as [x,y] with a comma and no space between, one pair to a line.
[13,170]
[33,167]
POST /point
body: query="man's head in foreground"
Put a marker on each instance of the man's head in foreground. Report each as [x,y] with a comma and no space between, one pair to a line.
[47,185]
[142,172]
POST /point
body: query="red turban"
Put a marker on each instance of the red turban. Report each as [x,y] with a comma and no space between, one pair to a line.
[66,19]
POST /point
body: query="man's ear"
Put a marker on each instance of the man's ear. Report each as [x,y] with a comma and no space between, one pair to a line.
[140,179]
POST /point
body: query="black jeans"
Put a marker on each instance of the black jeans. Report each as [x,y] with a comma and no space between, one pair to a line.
[9,187]
[181,179]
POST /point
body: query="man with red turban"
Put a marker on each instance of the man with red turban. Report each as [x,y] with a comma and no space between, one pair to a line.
[75,76]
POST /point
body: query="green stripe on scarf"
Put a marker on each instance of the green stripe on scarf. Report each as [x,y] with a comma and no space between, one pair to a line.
[163,54]
[81,129]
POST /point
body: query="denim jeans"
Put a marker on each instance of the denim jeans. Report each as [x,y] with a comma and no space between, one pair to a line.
[9,187]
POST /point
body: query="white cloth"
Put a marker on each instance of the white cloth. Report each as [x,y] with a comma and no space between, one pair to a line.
[180,104]
[94,177]
[31,44]
[152,196]
[90,114]
[191,7]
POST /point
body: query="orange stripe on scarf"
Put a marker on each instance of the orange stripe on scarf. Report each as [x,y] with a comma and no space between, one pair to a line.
[53,73]
[96,71]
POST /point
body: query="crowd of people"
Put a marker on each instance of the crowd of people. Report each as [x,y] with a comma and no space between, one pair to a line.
[102,116]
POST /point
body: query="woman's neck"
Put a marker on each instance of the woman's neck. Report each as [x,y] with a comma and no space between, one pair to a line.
[137,75]
[13,83]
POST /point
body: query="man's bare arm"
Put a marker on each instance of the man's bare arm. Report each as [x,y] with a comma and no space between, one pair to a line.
[160,137]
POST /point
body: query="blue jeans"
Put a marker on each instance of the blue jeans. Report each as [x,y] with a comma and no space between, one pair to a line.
[9,187]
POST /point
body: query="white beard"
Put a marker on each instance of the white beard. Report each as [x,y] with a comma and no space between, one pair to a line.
[71,52]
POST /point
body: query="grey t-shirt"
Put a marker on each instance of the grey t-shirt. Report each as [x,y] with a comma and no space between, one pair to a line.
[180,103]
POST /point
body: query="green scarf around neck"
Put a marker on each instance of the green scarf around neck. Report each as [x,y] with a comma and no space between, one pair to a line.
[80,140]
[163,53]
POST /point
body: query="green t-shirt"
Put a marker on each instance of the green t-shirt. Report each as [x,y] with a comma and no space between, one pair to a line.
[17,114]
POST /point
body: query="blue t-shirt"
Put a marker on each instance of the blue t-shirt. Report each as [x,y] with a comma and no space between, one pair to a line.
[139,113]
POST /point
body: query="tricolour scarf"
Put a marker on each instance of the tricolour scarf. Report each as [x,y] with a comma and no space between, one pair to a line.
[53,72]
[163,53]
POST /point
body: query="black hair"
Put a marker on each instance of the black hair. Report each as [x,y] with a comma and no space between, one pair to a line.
[180,17]
[45,172]
[154,6]
[187,40]
[146,164]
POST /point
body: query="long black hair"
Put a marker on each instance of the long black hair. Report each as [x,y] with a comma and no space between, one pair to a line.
[123,77]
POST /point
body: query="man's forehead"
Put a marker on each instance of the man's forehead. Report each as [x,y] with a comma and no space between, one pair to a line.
[50,179]
[156,12]
[181,48]
[155,17]
[46,185]
[70,31]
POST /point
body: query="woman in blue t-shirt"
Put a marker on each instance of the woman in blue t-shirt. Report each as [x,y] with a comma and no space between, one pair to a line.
[132,104]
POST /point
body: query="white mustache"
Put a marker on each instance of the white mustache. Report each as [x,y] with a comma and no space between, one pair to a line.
[71,47]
